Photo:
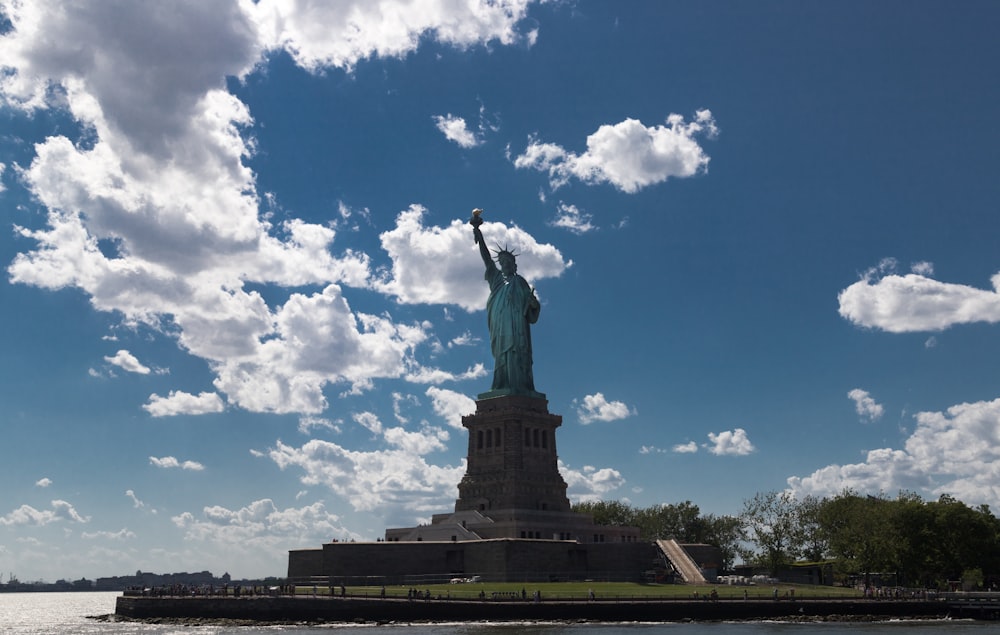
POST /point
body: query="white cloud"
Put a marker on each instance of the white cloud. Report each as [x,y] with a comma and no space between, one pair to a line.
[432,265]
[465,339]
[450,405]
[427,375]
[628,154]
[455,129]
[182,403]
[428,439]
[307,423]
[136,503]
[379,479]
[163,178]
[26,515]
[571,218]
[923,268]
[122,534]
[369,421]
[127,361]
[168,462]
[398,402]
[2,168]
[43,482]
[686,448]
[341,34]
[318,341]
[597,408]
[651,449]
[590,483]
[913,302]
[955,452]
[219,536]
[730,443]
[866,407]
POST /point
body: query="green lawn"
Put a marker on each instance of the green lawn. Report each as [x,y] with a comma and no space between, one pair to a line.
[602,590]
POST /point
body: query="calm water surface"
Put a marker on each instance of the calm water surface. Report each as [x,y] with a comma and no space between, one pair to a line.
[66,614]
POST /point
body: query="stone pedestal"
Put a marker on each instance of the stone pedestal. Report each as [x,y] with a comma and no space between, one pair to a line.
[512,458]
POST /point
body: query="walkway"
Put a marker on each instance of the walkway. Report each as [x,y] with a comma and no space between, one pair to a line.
[688,569]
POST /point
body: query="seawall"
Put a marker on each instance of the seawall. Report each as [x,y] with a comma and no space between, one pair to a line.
[345,610]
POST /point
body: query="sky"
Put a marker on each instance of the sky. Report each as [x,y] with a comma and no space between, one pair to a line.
[243,312]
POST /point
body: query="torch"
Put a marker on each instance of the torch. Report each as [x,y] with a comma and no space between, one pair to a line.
[476,221]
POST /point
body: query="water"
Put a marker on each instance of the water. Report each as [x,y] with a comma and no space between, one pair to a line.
[66,614]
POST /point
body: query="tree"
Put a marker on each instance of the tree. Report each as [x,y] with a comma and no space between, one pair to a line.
[965,537]
[862,534]
[728,534]
[613,513]
[681,521]
[815,541]
[772,523]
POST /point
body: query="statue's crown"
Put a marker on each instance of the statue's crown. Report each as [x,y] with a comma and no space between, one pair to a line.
[504,251]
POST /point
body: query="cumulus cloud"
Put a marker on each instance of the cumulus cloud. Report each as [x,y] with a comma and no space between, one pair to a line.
[428,375]
[571,218]
[182,403]
[888,301]
[127,361]
[590,483]
[43,482]
[730,443]
[308,423]
[27,515]
[369,421]
[428,439]
[866,407]
[651,449]
[465,339]
[628,155]
[156,216]
[218,535]
[597,408]
[340,34]
[686,448]
[455,129]
[955,452]
[451,406]
[168,462]
[923,268]
[373,480]
[432,264]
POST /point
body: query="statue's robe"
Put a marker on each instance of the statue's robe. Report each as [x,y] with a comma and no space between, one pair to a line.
[511,309]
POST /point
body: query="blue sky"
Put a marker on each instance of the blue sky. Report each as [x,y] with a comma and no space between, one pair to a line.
[243,310]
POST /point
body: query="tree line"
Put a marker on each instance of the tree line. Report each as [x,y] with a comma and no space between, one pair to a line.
[913,542]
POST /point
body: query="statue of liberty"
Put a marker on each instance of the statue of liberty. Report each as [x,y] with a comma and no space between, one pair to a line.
[511,309]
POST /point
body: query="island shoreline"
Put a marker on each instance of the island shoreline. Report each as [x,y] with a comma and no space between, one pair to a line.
[315,610]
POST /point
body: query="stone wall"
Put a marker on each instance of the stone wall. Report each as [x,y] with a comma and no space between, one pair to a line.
[493,560]
[297,609]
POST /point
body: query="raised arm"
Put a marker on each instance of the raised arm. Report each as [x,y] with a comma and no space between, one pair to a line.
[484,251]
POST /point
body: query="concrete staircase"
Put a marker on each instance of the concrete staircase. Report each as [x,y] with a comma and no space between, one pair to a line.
[688,569]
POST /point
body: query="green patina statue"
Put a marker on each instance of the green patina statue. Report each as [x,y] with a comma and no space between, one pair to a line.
[511,310]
